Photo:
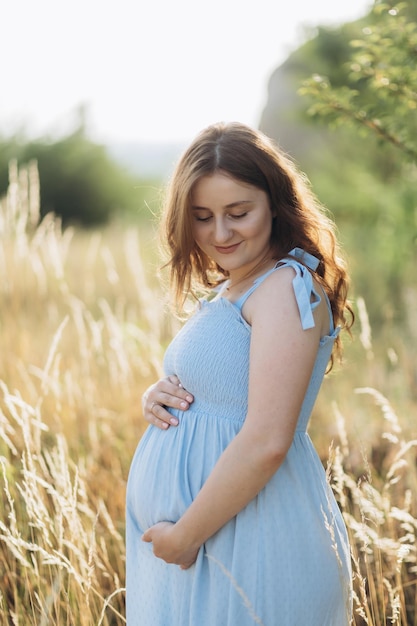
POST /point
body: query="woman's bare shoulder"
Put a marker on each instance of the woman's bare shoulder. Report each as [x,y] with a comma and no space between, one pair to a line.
[277,293]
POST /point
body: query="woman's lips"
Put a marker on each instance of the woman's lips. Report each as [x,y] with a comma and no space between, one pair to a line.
[227,249]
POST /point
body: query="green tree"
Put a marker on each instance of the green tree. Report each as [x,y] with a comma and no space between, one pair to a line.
[380,92]
[78,179]
[378,101]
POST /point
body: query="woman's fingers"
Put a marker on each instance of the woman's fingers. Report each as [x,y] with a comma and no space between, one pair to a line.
[160,417]
[167,392]
[170,394]
[176,389]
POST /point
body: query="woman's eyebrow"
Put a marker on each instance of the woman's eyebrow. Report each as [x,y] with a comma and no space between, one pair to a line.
[231,205]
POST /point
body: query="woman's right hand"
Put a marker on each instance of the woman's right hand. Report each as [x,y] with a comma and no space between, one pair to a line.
[167,392]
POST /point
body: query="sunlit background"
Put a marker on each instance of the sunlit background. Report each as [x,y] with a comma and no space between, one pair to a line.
[150,71]
[97,99]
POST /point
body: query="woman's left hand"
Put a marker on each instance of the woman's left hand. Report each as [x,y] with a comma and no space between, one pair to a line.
[167,546]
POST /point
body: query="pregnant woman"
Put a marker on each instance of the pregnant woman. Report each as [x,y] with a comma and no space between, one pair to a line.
[230,518]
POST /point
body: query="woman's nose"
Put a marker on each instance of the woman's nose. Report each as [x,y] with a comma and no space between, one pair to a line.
[222,232]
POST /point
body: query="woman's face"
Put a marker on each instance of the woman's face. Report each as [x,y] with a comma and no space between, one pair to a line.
[232,222]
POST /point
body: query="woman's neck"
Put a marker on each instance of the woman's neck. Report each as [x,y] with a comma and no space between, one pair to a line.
[238,283]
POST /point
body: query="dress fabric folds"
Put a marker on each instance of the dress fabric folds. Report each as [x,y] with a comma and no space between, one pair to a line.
[284,560]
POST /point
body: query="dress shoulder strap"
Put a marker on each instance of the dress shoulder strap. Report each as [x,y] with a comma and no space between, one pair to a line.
[305,292]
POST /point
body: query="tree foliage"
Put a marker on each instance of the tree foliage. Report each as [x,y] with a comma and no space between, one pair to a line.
[78,180]
[380,94]
[369,167]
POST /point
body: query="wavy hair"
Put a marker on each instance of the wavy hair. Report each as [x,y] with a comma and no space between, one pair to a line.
[301,221]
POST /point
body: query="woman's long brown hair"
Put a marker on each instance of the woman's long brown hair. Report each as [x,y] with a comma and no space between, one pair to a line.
[301,221]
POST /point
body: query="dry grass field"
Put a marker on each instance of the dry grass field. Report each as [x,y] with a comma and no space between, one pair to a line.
[83,325]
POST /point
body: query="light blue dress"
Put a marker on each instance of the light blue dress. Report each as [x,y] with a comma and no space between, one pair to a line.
[284,559]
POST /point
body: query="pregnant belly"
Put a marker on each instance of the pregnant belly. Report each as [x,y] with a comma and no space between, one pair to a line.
[170,467]
[157,486]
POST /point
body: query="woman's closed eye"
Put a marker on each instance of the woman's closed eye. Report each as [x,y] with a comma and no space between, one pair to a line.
[199,218]
[203,217]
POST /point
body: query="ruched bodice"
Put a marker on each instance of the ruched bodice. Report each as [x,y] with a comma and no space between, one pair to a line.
[223,391]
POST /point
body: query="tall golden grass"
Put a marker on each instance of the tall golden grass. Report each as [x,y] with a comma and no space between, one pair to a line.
[83,326]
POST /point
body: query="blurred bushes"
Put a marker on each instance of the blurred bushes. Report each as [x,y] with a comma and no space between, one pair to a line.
[377,100]
[78,179]
[349,117]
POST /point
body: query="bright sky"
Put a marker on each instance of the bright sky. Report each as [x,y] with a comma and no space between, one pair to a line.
[148,70]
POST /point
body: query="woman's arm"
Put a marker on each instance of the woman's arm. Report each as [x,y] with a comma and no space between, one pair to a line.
[282,357]
[167,392]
